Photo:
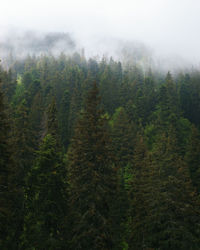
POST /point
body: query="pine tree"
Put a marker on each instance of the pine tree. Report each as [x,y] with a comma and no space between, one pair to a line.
[138,187]
[122,137]
[46,200]
[172,219]
[164,208]
[74,110]
[10,190]
[35,117]
[123,134]
[5,209]
[193,157]
[23,141]
[64,118]
[52,123]
[23,138]
[91,179]
[46,193]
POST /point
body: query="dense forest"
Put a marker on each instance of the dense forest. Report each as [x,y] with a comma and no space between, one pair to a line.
[98,155]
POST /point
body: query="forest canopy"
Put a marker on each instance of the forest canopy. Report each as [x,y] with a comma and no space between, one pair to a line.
[96,154]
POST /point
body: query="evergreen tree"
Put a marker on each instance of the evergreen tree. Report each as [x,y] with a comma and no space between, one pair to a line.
[10,190]
[5,155]
[172,220]
[46,204]
[123,135]
[52,122]
[74,110]
[193,157]
[91,179]
[138,187]
[64,118]
[46,193]
[24,145]
[23,137]
[8,83]
[35,117]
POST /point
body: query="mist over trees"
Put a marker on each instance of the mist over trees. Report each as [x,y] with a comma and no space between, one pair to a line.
[97,154]
[18,44]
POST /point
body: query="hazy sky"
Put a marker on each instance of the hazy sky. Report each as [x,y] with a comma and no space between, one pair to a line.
[168,26]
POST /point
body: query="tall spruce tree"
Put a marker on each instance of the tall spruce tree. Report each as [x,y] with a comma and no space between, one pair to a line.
[123,139]
[46,200]
[138,187]
[10,190]
[164,208]
[193,157]
[172,220]
[91,179]
[64,118]
[46,193]
[5,209]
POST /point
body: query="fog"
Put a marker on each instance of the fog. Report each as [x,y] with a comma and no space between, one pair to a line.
[164,32]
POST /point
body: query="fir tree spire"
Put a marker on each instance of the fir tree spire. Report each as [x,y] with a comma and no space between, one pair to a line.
[91,178]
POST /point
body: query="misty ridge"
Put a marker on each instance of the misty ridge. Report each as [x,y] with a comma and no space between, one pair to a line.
[17,45]
[20,44]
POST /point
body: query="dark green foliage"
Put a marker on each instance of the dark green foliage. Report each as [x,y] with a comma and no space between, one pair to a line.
[193,157]
[23,138]
[138,188]
[109,89]
[10,189]
[189,91]
[168,102]
[35,116]
[91,179]
[8,83]
[154,125]
[5,155]
[24,144]
[174,209]
[52,122]
[46,205]
[64,118]
[164,211]
[74,110]
[123,135]
[179,197]
[123,139]
[27,79]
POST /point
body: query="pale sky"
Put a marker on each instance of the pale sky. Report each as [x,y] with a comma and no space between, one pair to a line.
[168,26]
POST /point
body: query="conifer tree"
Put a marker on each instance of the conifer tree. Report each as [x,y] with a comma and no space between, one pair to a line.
[91,179]
[5,209]
[138,187]
[46,200]
[23,138]
[122,137]
[164,208]
[52,122]
[9,185]
[64,118]
[123,134]
[35,117]
[168,102]
[24,144]
[172,219]
[46,193]
[74,110]
[193,157]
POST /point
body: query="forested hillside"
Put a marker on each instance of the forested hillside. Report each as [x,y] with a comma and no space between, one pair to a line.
[98,155]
